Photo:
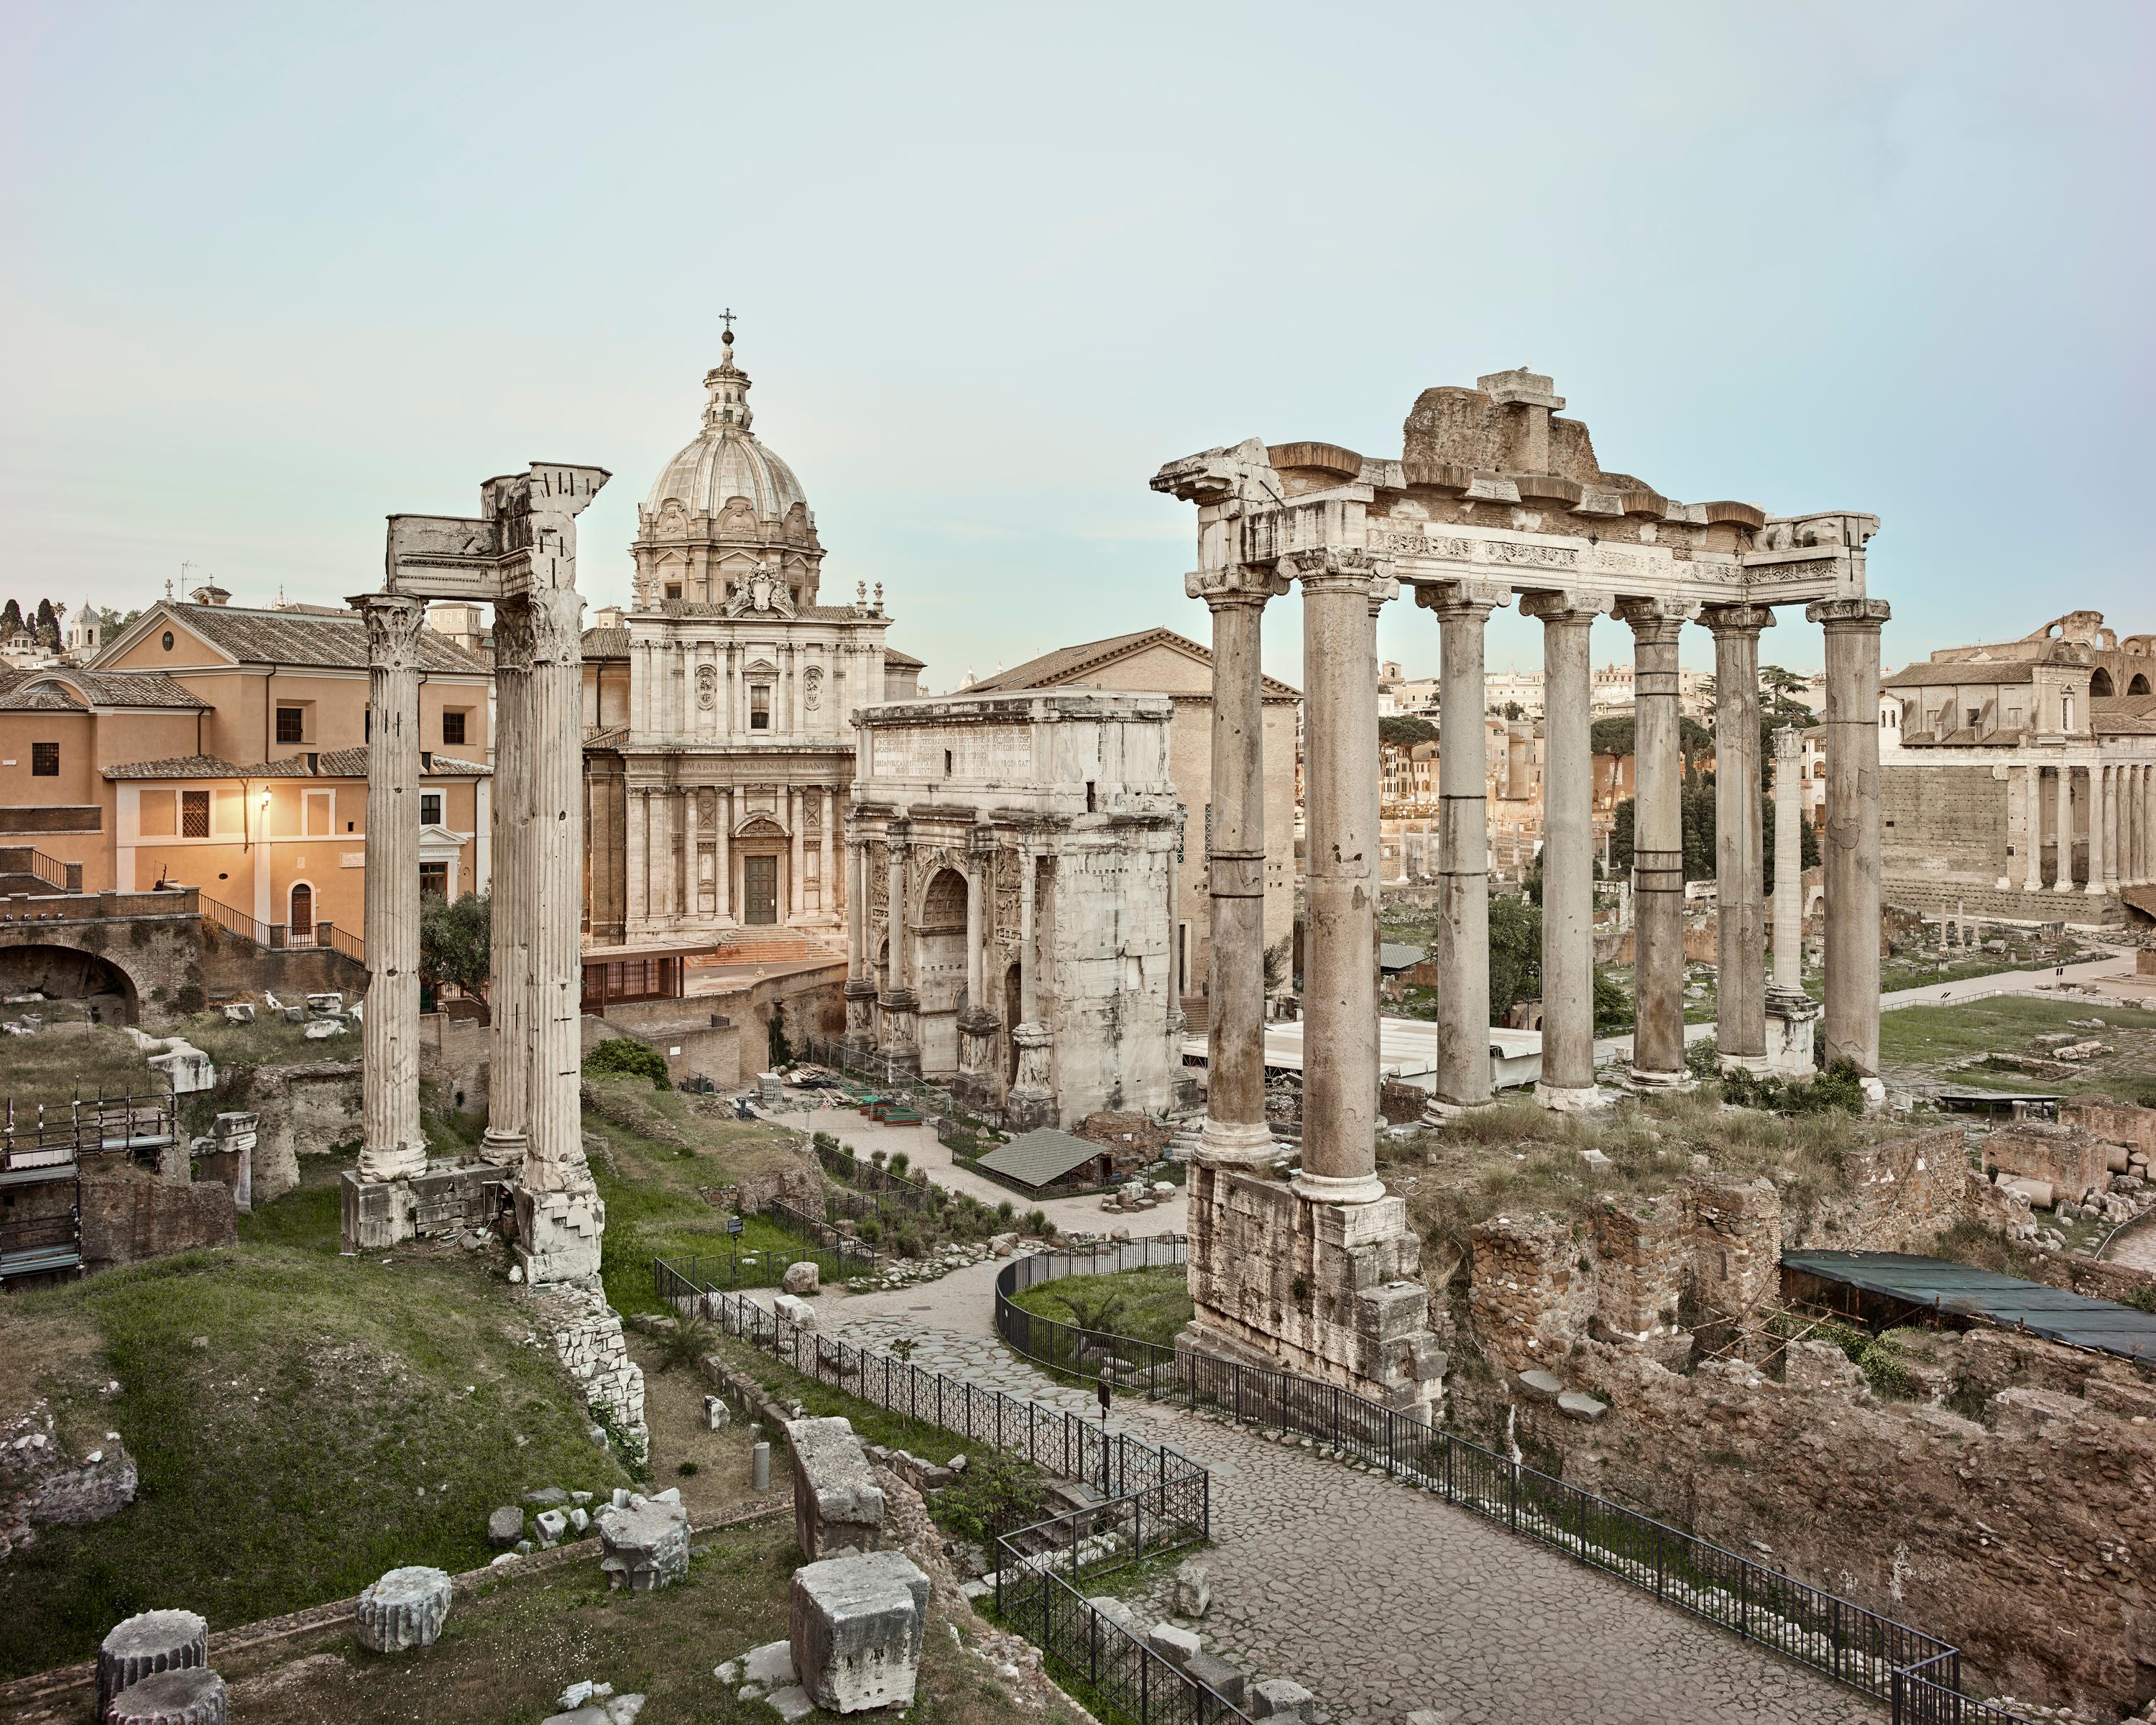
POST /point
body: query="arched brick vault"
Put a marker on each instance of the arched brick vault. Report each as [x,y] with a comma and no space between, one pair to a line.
[33,958]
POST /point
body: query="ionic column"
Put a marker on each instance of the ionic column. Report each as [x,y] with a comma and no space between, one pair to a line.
[2063,880]
[1340,593]
[1788,862]
[796,894]
[1568,1079]
[1852,829]
[2032,809]
[1658,968]
[2103,832]
[1462,1078]
[392,1147]
[826,888]
[1235,1131]
[510,926]
[1739,850]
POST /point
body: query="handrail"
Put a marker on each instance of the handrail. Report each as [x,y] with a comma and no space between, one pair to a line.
[1837,1637]
[50,869]
[346,945]
[238,921]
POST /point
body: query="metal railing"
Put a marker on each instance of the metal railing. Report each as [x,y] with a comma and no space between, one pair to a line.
[1833,1636]
[1158,1499]
[28,860]
[55,1134]
[845,1057]
[875,1179]
[821,1234]
[282,937]
[238,921]
[345,945]
[754,1267]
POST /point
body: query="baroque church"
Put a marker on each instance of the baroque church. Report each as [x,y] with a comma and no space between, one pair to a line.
[719,744]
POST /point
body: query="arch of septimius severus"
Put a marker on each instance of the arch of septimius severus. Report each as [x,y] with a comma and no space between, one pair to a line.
[520,556]
[1493,497]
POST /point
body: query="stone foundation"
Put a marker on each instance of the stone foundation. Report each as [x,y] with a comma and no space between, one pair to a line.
[1327,1290]
[558,1233]
[587,1338]
[445,1200]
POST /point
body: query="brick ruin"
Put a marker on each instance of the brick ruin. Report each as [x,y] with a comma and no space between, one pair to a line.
[2001,1504]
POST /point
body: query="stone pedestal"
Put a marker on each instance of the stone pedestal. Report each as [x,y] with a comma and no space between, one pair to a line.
[195,1697]
[645,1544]
[1031,1099]
[860,1012]
[376,1214]
[855,1628]
[1323,1289]
[558,1233]
[837,1504]
[145,1643]
[405,1608]
[900,1040]
[1789,1021]
[978,1085]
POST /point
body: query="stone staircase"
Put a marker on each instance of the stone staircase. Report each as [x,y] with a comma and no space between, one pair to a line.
[774,946]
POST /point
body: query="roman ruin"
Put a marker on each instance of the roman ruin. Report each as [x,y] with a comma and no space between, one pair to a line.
[1493,496]
[519,555]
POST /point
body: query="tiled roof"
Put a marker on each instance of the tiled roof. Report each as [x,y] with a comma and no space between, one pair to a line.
[174,767]
[298,638]
[1041,1157]
[1065,663]
[41,698]
[605,737]
[1929,676]
[329,764]
[55,691]
[606,644]
[904,661]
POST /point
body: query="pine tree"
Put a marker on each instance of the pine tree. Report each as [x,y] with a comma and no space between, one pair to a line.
[48,624]
[11,618]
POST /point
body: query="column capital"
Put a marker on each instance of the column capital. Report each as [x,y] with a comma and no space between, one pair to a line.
[1236,585]
[898,833]
[1567,605]
[1462,599]
[393,623]
[1737,619]
[1650,617]
[1342,568]
[1789,745]
[1849,614]
[556,620]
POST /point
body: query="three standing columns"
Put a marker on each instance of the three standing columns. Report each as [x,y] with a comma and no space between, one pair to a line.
[1851,849]
[1739,837]
[1235,1131]
[1658,971]
[392,1147]
[1568,1079]
[1462,1079]
[1341,591]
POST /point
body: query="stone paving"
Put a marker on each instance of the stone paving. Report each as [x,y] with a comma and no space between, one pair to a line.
[1381,1600]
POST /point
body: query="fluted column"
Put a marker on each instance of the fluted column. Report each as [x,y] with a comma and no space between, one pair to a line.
[1462,1078]
[900,1038]
[2063,876]
[1568,1078]
[560,1218]
[1658,965]
[860,986]
[392,1147]
[1341,592]
[827,886]
[2103,832]
[512,907]
[722,861]
[1235,1130]
[2032,811]
[1031,1099]
[1788,862]
[797,850]
[1739,851]
[1851,869]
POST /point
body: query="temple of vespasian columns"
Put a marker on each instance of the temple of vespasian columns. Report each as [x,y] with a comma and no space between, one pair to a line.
[521,557]
[1492,497]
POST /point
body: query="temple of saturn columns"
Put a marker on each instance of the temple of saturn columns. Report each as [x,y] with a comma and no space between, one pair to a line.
[1493,496]
[521,557]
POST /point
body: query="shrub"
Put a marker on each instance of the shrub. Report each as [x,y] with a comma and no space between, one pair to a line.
[877,1156]
[900,1163]
[1006,1210]
[1703,1058]
[1037,1222]
[871,1230]
[624,1056]
[1882,1367]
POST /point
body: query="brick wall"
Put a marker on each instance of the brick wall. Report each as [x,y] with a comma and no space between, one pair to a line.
[129,1216]
[1942,825]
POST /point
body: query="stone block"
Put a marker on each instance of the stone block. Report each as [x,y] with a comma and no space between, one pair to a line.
[1822,1367]
[376,1213]
[801,1278]
[837,1504]
[856,1627]
[1120,1614]
[1577,1404]
[1177,1646]
[504,1528]
[240,1012]
[795,1310]
[1194,1590]
[1281,1698]
[149,1642]
[194,1697]
[717,1415]
[405,1608]
[552,1525]
[1217,1675]
[644,1547]
[1542,1386]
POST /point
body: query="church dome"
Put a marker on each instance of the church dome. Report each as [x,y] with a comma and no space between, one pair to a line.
[726,460]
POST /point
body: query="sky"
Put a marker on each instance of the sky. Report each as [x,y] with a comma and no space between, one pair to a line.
[269,274]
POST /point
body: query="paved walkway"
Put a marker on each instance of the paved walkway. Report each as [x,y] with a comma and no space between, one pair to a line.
[1382,1599]
[2136,1248]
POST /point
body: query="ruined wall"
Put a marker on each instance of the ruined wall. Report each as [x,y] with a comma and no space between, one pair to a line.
[1532,1291]
[130,1216]
[1899,1194]
[1733,1230]
[42,1485]
[234,968]
[2070,1159]
[1639,1252]
[306,1109]
[456,1056]
[1942,827]
[2113,1122]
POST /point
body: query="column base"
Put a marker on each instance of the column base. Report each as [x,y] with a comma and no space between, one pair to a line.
[1436,1112]
[860,1010]
[979,1093]
[1025,1109]
[503,1149]
[1642,1079]
[375,1214]
[1758,1063]
[1236,1143]
[1792,1020]
[2096,890]
[1570,1098]
[1328,1289]
[558,1235]
[2004,884]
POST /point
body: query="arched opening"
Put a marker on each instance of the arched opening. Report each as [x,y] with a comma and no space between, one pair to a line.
[299,919]
[2139,685]
[64,973]
[939,974]
[2100,681]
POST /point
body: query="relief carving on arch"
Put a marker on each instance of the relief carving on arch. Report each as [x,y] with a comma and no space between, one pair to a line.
[1007,876]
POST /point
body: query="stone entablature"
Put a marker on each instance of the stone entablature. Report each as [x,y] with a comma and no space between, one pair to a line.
[1028,839]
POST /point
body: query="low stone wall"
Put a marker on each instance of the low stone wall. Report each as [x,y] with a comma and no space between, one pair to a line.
[130,1216]
[42,1485]
[1900,1193]
[587,1338]
[234,968]
[2070,1160]
[2112,1122]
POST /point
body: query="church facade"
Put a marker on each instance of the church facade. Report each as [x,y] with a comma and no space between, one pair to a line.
[718,740]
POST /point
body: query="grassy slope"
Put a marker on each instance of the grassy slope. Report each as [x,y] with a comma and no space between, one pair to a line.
[347,1416]
[1923,1041]
[1149,1305]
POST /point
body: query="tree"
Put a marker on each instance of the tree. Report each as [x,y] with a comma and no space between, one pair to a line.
[1401,731]
[624,1056]
[11,618]
[1516,954]
[1615,736]
[454,941]
[1620,840]
[1613,1006]
[48,624]
[1513,710]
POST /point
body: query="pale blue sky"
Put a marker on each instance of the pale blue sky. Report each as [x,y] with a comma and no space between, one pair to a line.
[271,272]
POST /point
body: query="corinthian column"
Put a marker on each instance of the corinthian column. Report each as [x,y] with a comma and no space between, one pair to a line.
[860,986]
[1463,847]
[2104,832]
[1341,592]
[560,1218]
[1235,1130]
[1852,830]
[1658,965]
[1739,850]
[2062,878]
[901,1041]
[514,909]
[391,1147]
[1788,862]
[1031,1099]
[1568,1079]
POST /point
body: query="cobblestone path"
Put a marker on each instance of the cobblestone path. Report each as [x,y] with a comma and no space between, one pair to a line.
[1381,1600]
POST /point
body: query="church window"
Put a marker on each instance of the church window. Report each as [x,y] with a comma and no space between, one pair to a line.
[44,760]
[291,724]
[759,707]
[194,814]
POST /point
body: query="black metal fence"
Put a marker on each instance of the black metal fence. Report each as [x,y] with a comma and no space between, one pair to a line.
[821,1234]
[752,1267]
[1918,1673]
[882,1071]
[873,1179]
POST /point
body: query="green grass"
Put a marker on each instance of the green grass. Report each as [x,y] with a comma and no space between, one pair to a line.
[347,1415]
[1924,1042]
[1150,1305]
[56,1064]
